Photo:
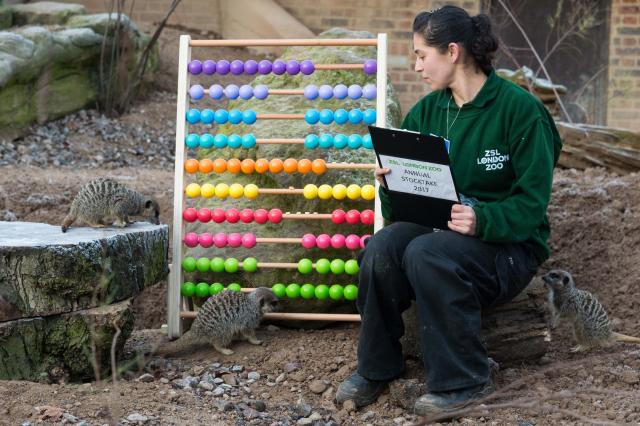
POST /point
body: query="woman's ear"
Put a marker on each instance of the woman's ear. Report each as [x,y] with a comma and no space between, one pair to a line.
[453,52]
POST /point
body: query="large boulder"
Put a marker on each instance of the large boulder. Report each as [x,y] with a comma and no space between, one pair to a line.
[45,13]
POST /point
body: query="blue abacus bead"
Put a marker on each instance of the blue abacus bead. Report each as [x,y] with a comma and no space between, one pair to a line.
[369,91]
[206,116]
[293,67]
[325,92]
[236,67]
[312,116]
[249,116]
[192,141]
[340,91]
[366,141]
[307,67]
[246,92]
[195,67]
[193,116]
[264,67]
[235,116]
[235,141]
[216,91]
[223,66]
[220,141]
[248,141]
[232,91]
[206,140]
[221,116]
[326,141]
[369,116]
[251,67]
[355,141]
[354,91]
[209,67]
[196,92]
[311,141]
[326,116]
[261,91]
[340,141]
[370,66]
[355,116]
[311,92]
[341,116]
[278,67]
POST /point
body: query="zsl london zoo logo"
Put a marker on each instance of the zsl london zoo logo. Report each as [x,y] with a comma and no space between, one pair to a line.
[493,160]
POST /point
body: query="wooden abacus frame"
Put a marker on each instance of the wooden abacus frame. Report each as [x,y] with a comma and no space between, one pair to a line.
[175,316]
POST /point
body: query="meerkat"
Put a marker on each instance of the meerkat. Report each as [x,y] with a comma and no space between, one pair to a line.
[102,202]
[591,326]
[226,315]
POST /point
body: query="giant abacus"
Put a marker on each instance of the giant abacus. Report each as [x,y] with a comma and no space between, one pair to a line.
[183,239]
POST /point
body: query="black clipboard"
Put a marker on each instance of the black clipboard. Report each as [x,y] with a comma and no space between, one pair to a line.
[421,209]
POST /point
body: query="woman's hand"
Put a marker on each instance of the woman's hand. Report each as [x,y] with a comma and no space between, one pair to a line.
[463,219]
[378,172]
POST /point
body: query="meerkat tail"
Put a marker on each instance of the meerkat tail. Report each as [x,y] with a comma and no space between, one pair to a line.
[180,344]
[66,223]
[624,338]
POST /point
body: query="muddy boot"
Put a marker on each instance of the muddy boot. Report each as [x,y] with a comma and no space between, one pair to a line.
[360,390]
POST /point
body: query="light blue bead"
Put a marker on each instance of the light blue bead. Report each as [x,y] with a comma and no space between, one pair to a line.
[311,141]
[246,92]
[249,116]
[355,116]
[206,116]
[193,116]
[326,141]
[221,116]
[232,91]
[206,140]
[326,116]
[235,116]
[216,91]
[196,92]
[235,141]
[325,92]
[355,141]
[366,141]
[369,116]
[340,141]
[341,116]
[192,141]
[311,92]
[311,116]
[248,141]
[340,91]
[220,141]
[354,91]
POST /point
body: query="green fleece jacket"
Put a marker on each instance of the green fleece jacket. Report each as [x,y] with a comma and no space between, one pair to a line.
[503,148]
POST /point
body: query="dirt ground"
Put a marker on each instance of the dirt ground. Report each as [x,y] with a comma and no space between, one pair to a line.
[595,218]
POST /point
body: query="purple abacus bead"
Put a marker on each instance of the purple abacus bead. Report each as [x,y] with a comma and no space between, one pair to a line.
[308,241]
[236,67]
[352,242]
[205,240]
[353,217]
[196,92]
[264,67]
[261,216]
[220,240]
[275,215]
[307,67]
[354,91]
[209,67]
[232,215]
[293,67]
[323,241]
[363,240]
[369,91]
[191,239]
[246,215]
[231,91]
[340,91]
[246,91]
[251,67]
[370,66]
[216,91]
[223,66]
[338,216]
[278,67]
[248,240]
[311,92]
[261,91]
[195,67]
[337,241]
[234,239]
[325,92]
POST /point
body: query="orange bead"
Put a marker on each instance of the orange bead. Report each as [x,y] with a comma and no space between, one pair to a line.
[318,166]
[262,165]
[247,166]
[206,166]
[304,166]
[290,165]
[219,165]
[233,165]
[191,165]
[276,165]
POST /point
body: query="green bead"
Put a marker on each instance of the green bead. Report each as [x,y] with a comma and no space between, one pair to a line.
[305,266]
[189,264]
[337,266]
[203,264]
[350,292]
[217,264]
[250,264]
[293,290]
[215,288]
[231,265]
[336,292]
[323,266]
[279,289]
[322,291]
[351,267]
[202,290]
[234,287]
[187,289]
[307,291]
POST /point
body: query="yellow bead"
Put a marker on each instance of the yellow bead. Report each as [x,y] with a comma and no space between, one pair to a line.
[325,192]
[353,191]
[236,190]
[207,190]
[222,190]
[251,191]
[192,190]
[339,191]
[310,191]
[368,192]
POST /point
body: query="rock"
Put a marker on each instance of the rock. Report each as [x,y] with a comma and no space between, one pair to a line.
[630,377]
[291,366]
[7,216]
[302,409]
[205,386]
[250,413]
[198,370]
[45,13]
[253,375]
[237,369]
[146,378]
[280,378]
[368,416]
[349,406]
[258,405]
[298,376]
[404,392]
[218,391]
[318,386]
[137,418]
[230,379]
[69,418]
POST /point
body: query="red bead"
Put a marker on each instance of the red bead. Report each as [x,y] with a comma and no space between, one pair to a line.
[367,217]
[218,215]
[246,215]
[233,215]
[261,216]
[275,215]
[204,215]
[338,216]
[190,214]
[353,217]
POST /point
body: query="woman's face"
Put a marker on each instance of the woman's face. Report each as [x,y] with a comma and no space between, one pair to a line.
[435,68]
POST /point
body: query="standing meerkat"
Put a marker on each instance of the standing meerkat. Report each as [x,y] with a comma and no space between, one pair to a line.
[102,202]
[591,326]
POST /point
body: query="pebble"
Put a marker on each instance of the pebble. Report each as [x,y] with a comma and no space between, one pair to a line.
[237,369]
[318,386]
[280,378]
[218,391]
[137,418]
[302,408]
[291,366]
[205,386]
[230,379]
[630,377]
[146,378]
[257,405]
[349,406]
[254,375]
[368,416]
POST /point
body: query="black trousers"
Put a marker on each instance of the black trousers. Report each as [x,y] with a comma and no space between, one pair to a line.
[451,277]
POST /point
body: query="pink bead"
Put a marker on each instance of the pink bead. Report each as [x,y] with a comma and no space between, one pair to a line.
[261,216]
[353,242]
[218,215]
[191,239]
[205,240]
[246,215]
[234,240]
[204,215]
[275,215]
[308,241]
[233,215]
[338,216]
[367,217]
[337,241]
[220,240]
[248,240]
[323,241]
[364,239]
[353,217]
[190,214]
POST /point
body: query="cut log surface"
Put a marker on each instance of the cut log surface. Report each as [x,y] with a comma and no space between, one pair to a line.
[46,272]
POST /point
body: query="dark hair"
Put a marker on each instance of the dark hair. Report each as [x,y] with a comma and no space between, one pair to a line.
[451,24]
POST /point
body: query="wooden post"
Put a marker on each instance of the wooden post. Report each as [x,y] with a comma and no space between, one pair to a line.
[381,115]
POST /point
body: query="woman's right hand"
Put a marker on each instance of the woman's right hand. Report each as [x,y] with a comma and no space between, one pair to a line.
[378,173]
